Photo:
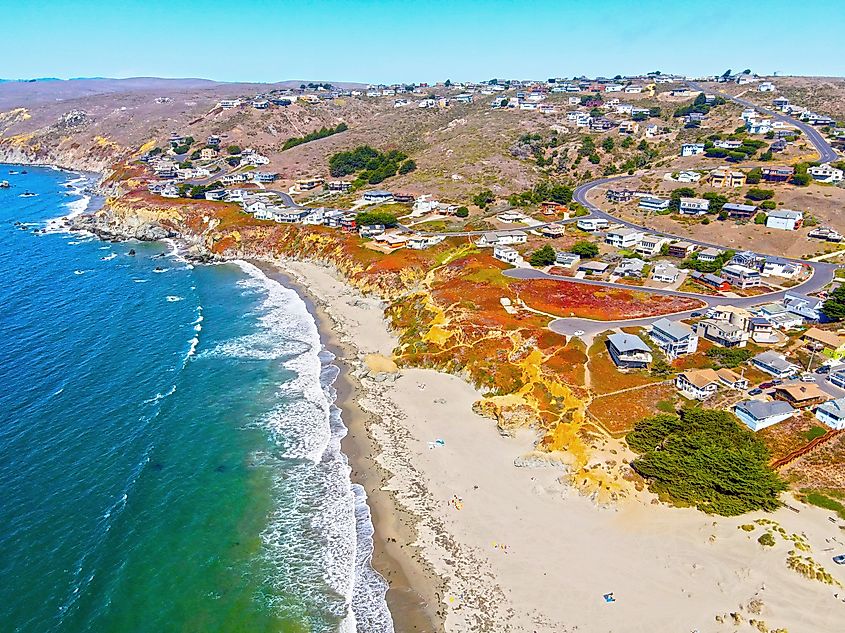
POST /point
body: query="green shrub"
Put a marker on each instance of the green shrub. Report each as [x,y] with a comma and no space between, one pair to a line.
[766,540]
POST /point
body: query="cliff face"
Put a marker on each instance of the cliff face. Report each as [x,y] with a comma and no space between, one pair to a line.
[444,303]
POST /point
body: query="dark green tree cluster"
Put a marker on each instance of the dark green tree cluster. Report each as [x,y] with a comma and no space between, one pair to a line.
[834,307]
[370,165]
[323,132]
[585,249]
[801,177]
[705,458]
[677,194]
[693,263]
[729,356]
[745,151]
[756,194]
[483,198]
[699,106]
[543,256]
[367,218]
[542,192]
[197,191]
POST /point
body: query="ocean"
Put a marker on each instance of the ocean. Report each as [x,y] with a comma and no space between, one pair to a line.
[169,445]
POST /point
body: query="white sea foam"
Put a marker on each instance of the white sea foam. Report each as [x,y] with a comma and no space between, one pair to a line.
[174,298]
[109,257]
[80,272]
[328,559]
[161,396]
[140,281]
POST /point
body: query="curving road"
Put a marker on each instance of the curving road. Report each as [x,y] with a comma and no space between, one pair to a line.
[823,148]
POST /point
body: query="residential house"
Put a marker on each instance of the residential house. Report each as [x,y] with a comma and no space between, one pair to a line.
[630,267]
[601,124]
[759,126]
[766,86]
[421,242]
[692,149]
[392,240]
[780,317]
[593,268]
[629,127]
[371,230]
[825,173]
[800,395]
[759,414]
[739,211]
[697,384]
[777,174]
[674,338]
[730,144]
[505,254]
[628,350]
[832,413]
[779,145]
[693,206]
[552,230]
[378,196]
[619,195]
[591,225]
[830,343]
[731,379]
[825,233]
[339,185]
[665,272]
[741,276]
[681,249]
[762,330]
[784,219]
[216,194]
[566,260]
[509,217]
[808,308]
[688,176]
[711,281]
[208,153]
[722,333]
[732,314]
[650,245]
[779,267]
[775,364]
[309,184]
[749,259]
[625,238]
[724,177]
[502,238]
[651,203]
[709,254]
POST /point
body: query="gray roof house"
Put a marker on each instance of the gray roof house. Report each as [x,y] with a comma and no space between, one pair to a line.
[758,414]
[628,350]
[775,364]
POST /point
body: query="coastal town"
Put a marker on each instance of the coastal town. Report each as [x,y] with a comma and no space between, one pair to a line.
[637,281]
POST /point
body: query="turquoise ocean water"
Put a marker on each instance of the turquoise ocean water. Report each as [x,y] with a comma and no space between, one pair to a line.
[169,448]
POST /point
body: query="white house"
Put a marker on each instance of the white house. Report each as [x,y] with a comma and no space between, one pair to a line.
[674,338]
[758,414]
[505,254]
[778,267]
[785,219]
[692,149]
[832,413]
[665,272]
[694,206]
[420,242]
[759,126]
[566,260]
[688,176]
[591,225]
[697,384]
[650,245]
[741,276]
[825,173]
[652,203]
[502,238]
[766,86]
[623,238]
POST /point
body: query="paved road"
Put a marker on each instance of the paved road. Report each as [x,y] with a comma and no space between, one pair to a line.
[824,149]
[822,275]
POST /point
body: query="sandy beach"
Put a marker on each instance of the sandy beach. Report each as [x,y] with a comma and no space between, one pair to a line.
[476,532]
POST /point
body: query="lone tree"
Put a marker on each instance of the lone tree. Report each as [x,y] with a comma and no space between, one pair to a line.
[483,198]
[543,256]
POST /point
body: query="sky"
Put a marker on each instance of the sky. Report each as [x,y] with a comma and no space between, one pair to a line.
[387,41]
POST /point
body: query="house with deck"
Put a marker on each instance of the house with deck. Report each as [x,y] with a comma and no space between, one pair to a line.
[674,338]
[808,308]
[665,273]
[724,177]
[777,174]
[722,333]
[653,203]
[591,225]
[693,206]
[626,238]
[784,219]
[829,343]
[741,276]
[505,254]
[738,211]
[502,238]
[692,149]
[650,245]
[628,351]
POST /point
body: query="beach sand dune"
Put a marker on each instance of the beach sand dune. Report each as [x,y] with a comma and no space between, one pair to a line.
[515,548]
